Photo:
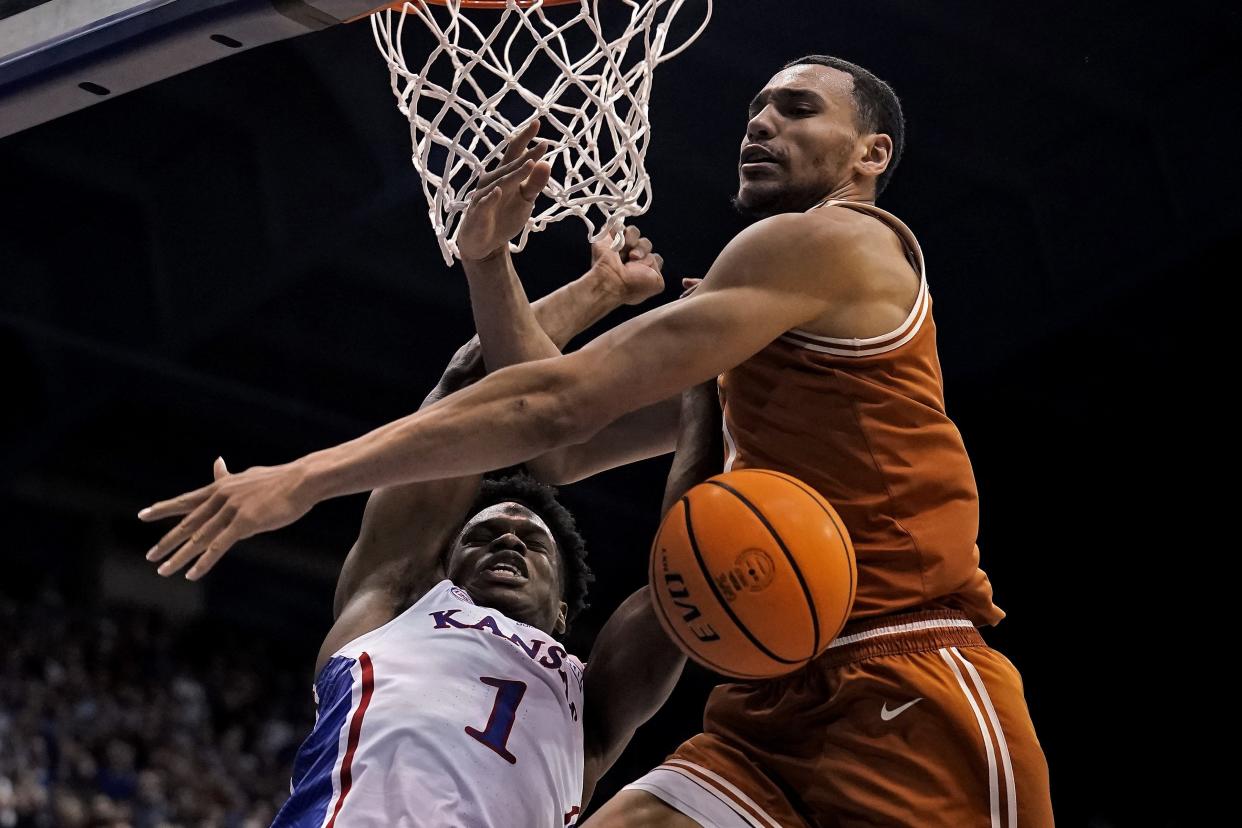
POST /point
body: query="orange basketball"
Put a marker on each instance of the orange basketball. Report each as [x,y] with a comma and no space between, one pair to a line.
[753,574]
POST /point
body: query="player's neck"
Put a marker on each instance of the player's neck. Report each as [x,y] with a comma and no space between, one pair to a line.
[850,191]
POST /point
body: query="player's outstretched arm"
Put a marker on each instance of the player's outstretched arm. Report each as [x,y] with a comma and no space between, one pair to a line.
[395,521]
[634,665]
[776,275]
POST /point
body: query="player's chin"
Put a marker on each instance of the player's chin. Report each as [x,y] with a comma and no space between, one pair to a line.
[751,189]
[516,604]
[757,199]
[499,590]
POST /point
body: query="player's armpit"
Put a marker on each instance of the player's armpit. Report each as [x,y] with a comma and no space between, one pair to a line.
[700,443]
[404,530]
[405,527]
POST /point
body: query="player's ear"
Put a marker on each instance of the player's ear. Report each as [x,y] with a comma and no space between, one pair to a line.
[561,618]
[877,152]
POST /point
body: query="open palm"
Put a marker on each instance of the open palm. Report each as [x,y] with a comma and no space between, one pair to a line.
[502,202]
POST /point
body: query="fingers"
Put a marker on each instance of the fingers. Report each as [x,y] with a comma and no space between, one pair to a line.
[198,542]
[219,470]
[528,173]
[182,505]
[490,180]
[640,249]
[494,177]
[652,260]
[215,551]
[527,180]
[185,530]
[689,286]
[540,172]
[517,144]
[632,236]
[603,245]
[634,246]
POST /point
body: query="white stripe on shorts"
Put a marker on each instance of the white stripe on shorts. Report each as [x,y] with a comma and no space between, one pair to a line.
[993,784]
[1011,790]
[704,796]
[690,797]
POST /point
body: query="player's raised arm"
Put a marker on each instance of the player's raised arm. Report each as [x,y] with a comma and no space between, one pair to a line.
[511,334]
[770,279]
[403,530]
[634,665]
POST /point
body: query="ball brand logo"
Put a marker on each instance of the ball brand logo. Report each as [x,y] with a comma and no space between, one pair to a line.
[675,585]
[753,571]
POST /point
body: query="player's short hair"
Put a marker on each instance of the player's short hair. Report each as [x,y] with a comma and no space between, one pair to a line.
[879,109]
[521,488]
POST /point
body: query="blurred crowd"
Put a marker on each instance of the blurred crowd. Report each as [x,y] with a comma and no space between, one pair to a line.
[117,718]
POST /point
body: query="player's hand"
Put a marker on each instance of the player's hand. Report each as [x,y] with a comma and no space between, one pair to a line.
[689,286]
[630,275]
[234,507]
[502,202]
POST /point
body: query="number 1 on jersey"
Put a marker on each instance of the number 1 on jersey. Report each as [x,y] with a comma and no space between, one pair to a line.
[504,712]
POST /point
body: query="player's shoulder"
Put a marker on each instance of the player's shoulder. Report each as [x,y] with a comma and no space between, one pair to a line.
[817,235]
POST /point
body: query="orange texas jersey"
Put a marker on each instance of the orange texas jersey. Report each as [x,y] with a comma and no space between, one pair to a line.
[864,422]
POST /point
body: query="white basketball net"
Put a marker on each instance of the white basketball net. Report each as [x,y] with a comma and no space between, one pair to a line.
[491,72]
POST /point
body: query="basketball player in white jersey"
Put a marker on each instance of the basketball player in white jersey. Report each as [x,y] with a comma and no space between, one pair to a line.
[444,698]
[818,315]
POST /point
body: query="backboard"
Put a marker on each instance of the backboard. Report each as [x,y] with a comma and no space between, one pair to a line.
[59,56]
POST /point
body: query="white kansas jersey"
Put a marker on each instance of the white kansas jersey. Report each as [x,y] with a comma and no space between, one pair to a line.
[449,716]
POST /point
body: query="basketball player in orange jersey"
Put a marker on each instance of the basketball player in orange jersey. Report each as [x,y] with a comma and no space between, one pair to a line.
[818,320]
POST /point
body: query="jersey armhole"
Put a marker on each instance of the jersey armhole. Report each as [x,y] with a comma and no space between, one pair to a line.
[874,345]
[358,641]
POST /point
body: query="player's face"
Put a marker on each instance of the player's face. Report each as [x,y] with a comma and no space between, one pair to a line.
[506,558]
[801,141]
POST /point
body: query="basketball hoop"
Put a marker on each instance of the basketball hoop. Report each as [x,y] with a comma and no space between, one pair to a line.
[585,70]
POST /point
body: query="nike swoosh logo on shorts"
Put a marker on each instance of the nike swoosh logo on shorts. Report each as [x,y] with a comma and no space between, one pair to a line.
[888,715]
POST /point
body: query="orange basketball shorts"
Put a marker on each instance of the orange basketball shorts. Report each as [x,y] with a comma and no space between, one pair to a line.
[906,720]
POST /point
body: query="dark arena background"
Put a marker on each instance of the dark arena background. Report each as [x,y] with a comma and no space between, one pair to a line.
[236,261]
